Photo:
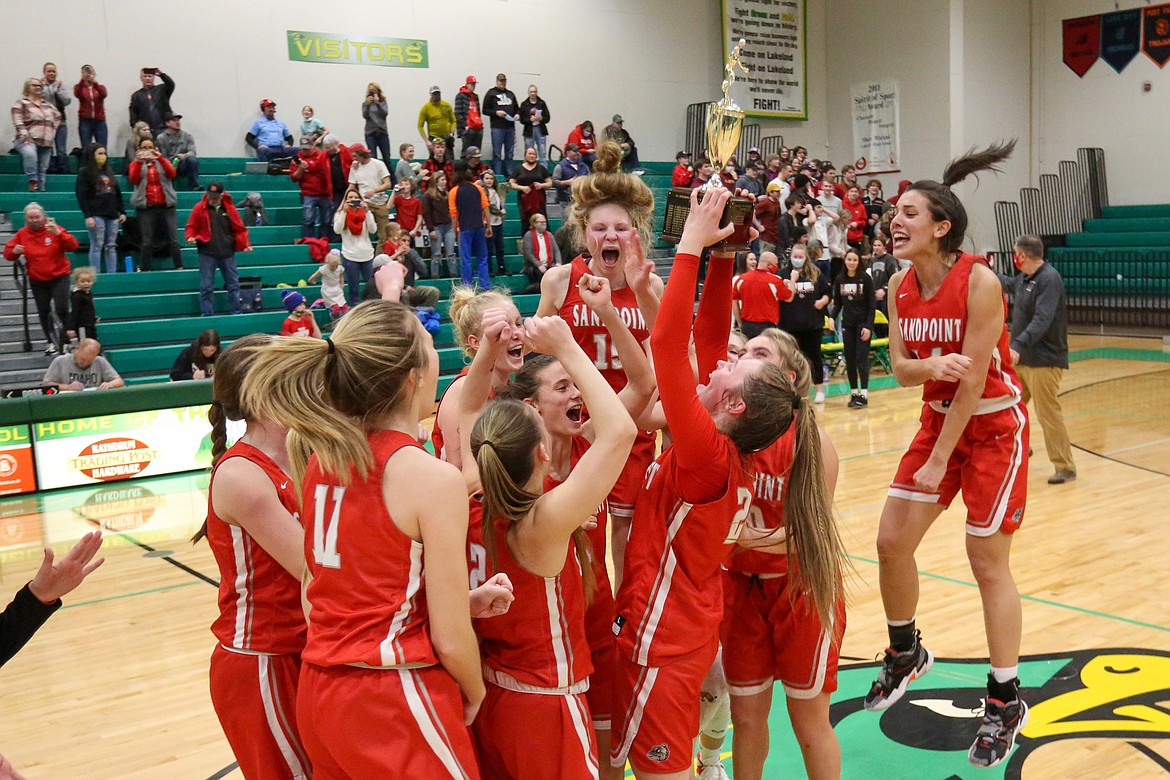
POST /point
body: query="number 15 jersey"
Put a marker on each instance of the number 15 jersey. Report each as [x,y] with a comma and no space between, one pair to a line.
[367,599]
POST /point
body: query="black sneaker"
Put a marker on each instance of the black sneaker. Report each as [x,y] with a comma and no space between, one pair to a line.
[899,669]
[854,401]
[862,401]
[1002,722]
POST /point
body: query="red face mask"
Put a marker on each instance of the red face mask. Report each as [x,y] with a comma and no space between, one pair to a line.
[1018,259]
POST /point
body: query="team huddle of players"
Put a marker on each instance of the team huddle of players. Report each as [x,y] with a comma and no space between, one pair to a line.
[461,617]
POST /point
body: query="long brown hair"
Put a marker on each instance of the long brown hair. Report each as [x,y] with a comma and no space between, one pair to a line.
[232,367]
[504,442]
[944,204]
[332,392]
[608,184]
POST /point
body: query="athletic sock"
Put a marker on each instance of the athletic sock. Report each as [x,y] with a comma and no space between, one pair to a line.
[709,756]
[1002,683]
[864,392]
[901,634]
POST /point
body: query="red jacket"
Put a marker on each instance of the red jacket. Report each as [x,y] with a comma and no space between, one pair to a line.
[588,145]
[860,217]
[682,176]
[312,174]
[199,223]
[91,100]
[44,253]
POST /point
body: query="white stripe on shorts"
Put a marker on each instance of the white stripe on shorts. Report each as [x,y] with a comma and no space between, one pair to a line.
[276,721]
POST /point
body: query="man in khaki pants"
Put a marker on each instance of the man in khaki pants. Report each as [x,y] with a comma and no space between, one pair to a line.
[1039,346]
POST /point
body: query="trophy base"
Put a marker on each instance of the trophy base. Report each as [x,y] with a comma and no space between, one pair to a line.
[738,212]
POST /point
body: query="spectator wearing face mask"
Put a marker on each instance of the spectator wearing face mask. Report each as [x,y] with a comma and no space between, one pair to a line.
[586,141]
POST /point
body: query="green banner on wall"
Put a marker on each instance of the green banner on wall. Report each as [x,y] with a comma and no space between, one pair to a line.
[342,49]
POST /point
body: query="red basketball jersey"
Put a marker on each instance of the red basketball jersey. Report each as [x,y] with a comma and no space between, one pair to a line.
[937,327]
[598,535]
[540,640]
[259,602]
[671,598]
[477,559]
[760,294]
[589,331]
[368,598]
[770,471]
[437,432]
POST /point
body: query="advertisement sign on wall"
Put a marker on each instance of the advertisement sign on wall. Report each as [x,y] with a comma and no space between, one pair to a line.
[93,450]
[17,471]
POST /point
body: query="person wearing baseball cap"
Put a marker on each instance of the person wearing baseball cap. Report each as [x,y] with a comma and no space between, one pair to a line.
[617,133]
[372,179]
[472,156]
[683,172]
[500,106]
[269,136]
[436,119]
[570,167]
[217,233]
[468,119]
[178,146]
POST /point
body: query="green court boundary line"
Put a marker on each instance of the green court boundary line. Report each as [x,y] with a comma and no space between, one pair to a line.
[129,595]
[1034,599]
[1119,353]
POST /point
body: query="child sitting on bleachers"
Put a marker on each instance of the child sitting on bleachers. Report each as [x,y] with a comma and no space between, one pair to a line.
[300,321]
[330,274]
[83,317]
[253,212]
[398,246]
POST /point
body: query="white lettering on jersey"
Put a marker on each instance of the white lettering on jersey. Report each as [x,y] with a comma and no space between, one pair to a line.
[325,533]
[768,487]
[478,557]
[584,317]
[744,497]
[932,329]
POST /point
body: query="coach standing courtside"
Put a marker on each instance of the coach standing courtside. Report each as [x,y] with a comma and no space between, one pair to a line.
[1039,345]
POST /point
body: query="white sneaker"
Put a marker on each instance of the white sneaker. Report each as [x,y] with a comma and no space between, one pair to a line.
[820,399]
[713,772]
[52,349]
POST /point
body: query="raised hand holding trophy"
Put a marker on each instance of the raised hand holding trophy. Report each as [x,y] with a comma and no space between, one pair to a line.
[724,127]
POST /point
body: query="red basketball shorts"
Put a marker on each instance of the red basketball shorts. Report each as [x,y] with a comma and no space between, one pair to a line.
[255,699]
[989,464]
[602,643]
[658,711]
[384,723]
[768,636]
[542,736]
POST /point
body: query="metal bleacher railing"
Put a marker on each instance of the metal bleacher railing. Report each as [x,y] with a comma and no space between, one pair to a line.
[696,134]
[770,144]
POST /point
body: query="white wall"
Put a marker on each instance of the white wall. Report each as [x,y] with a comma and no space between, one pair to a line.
[1104,108]
[645,60]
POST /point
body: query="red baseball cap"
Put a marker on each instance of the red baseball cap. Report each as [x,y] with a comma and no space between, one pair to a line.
[359,148]
[471,80]
[266,103]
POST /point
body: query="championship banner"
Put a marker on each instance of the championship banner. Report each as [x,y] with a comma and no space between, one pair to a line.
[776,85]
[92,450]
[1156,33]
[342,49]
[876,146]
[1121,37]
[1082,43]
[17,471]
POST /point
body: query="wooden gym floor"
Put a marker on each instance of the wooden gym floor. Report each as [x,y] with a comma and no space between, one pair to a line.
[115,685]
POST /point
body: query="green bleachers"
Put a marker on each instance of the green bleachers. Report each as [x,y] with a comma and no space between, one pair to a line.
[1119,239]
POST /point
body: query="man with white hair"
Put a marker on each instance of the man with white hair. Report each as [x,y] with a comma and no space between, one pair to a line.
[43,244]
[82,369]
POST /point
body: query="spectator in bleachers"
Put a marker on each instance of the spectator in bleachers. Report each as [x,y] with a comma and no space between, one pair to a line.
[436,123]
[91,108]
[399,247]
[151,103]
[252,210]
[586,141]
[269,136]
[35,120]
[216,230]
[197,360]
[799,155]
[407,168]
[154,202]
[475,162]
[300,321]
[374,112]
[497,193]
[730,174]
[772,167]
[178,146]
[340,165]
[683,171]
[468,205]
[310,170]
[82,369]
[438,160]
[757,295]
[43,244]
[100,199]
[54,92]
[408,209]
[570,167]
[437,216]
[848,179]
[703,173]
[616,132]
[858,217]
[531,180]
[500,106]
[828,199]
[882,265]
[752,181]
[138,133]
[540,252]
[768,210]
[785,155]
[312,126]
[804,315]
[875,205]
[534,116]
[83,317]
[354,222]
[753,157]
[331,274]
[468,119]
[790,223]
[853,296]
[372,178]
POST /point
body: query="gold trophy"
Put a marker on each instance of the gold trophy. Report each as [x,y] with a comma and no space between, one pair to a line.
[724,127]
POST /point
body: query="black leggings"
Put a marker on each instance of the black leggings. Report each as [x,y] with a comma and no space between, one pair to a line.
[810,347]
[856,355]
[156,225]
[753,329]
[54,293]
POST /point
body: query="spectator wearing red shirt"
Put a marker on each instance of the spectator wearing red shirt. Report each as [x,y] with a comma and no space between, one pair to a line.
[91,108]
[436,162]
[768,215]
[586,141]
[702,173]
[154,201]
[683,171]
[43,244]
[758,294]
[858,216]
[409,210]
[310,169]
[300,321]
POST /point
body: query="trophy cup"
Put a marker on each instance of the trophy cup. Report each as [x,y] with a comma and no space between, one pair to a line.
[724,126]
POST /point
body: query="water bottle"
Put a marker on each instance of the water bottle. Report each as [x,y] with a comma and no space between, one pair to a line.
[129,264]
[259,220]
[826,371]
